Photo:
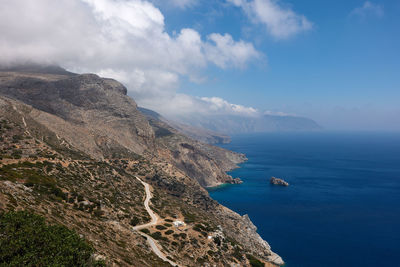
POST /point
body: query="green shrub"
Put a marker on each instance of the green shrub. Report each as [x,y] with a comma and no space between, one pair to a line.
[26,240]
[176,236]
[161,227]
[169,232]
[183,235]
[158,236]
[146,231]
[135,221]
[254,262]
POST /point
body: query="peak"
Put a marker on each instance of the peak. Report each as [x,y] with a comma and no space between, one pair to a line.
[36,68]
[92,82]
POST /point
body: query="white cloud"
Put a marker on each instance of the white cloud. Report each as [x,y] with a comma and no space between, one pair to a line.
[217,104]
[368,9]
[224,51]
[281,22]
[122,39]
[180,104]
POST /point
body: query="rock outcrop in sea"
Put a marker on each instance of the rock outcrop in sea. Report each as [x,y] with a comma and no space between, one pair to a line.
[278,181]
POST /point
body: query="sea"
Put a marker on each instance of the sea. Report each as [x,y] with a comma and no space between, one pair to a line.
[342,207]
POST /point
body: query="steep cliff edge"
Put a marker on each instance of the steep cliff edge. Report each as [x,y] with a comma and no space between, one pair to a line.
[71,146]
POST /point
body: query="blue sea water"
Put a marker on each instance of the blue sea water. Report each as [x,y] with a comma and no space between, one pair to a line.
[342,207]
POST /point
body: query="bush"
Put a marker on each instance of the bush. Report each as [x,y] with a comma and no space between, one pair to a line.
[158,236]
[26,240]
[183,235]
[254,262]
[146,231]
[160,227]
[169,232]
[135,221]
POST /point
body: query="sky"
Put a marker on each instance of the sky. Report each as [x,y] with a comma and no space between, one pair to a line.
[337,62]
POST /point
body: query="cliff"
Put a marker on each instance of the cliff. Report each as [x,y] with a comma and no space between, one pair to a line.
[71,148]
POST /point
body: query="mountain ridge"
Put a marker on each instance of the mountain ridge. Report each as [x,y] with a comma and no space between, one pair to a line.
[230,124]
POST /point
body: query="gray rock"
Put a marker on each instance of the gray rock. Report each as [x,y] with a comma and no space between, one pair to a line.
[278,181]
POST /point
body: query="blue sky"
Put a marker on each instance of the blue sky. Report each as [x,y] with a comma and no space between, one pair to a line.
[344,72]
[333,61]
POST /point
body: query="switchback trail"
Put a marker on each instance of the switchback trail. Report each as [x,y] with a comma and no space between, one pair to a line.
[154,220]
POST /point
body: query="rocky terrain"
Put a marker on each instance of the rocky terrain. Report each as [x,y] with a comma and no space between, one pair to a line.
[278,181]
[71,148]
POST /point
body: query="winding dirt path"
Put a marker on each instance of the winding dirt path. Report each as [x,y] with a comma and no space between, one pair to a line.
[153,215]
[154,220]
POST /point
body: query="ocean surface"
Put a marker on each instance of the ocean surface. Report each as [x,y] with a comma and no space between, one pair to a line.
[342,207]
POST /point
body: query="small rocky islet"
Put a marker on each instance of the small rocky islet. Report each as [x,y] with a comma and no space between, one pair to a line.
[278,181]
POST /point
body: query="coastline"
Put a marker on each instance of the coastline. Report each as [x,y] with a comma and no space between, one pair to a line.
[218,186]
[273,260]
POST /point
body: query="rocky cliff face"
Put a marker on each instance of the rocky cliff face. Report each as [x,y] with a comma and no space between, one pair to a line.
[71,147]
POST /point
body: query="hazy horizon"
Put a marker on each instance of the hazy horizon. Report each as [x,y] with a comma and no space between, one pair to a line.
[335,63]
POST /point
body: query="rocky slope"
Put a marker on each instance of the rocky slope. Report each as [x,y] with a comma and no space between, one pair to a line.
[71,146]
[97,116]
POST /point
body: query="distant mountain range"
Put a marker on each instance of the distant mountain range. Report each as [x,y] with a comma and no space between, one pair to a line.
[236,124]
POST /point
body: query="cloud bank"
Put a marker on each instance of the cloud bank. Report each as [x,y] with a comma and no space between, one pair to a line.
[280,21]
[122,39]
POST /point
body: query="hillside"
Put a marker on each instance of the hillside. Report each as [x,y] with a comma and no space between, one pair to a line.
[72,147]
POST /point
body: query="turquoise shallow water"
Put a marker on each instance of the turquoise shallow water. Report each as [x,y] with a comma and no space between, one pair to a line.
[343,204]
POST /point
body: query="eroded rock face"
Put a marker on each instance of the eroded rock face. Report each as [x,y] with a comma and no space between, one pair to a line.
[278,181]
